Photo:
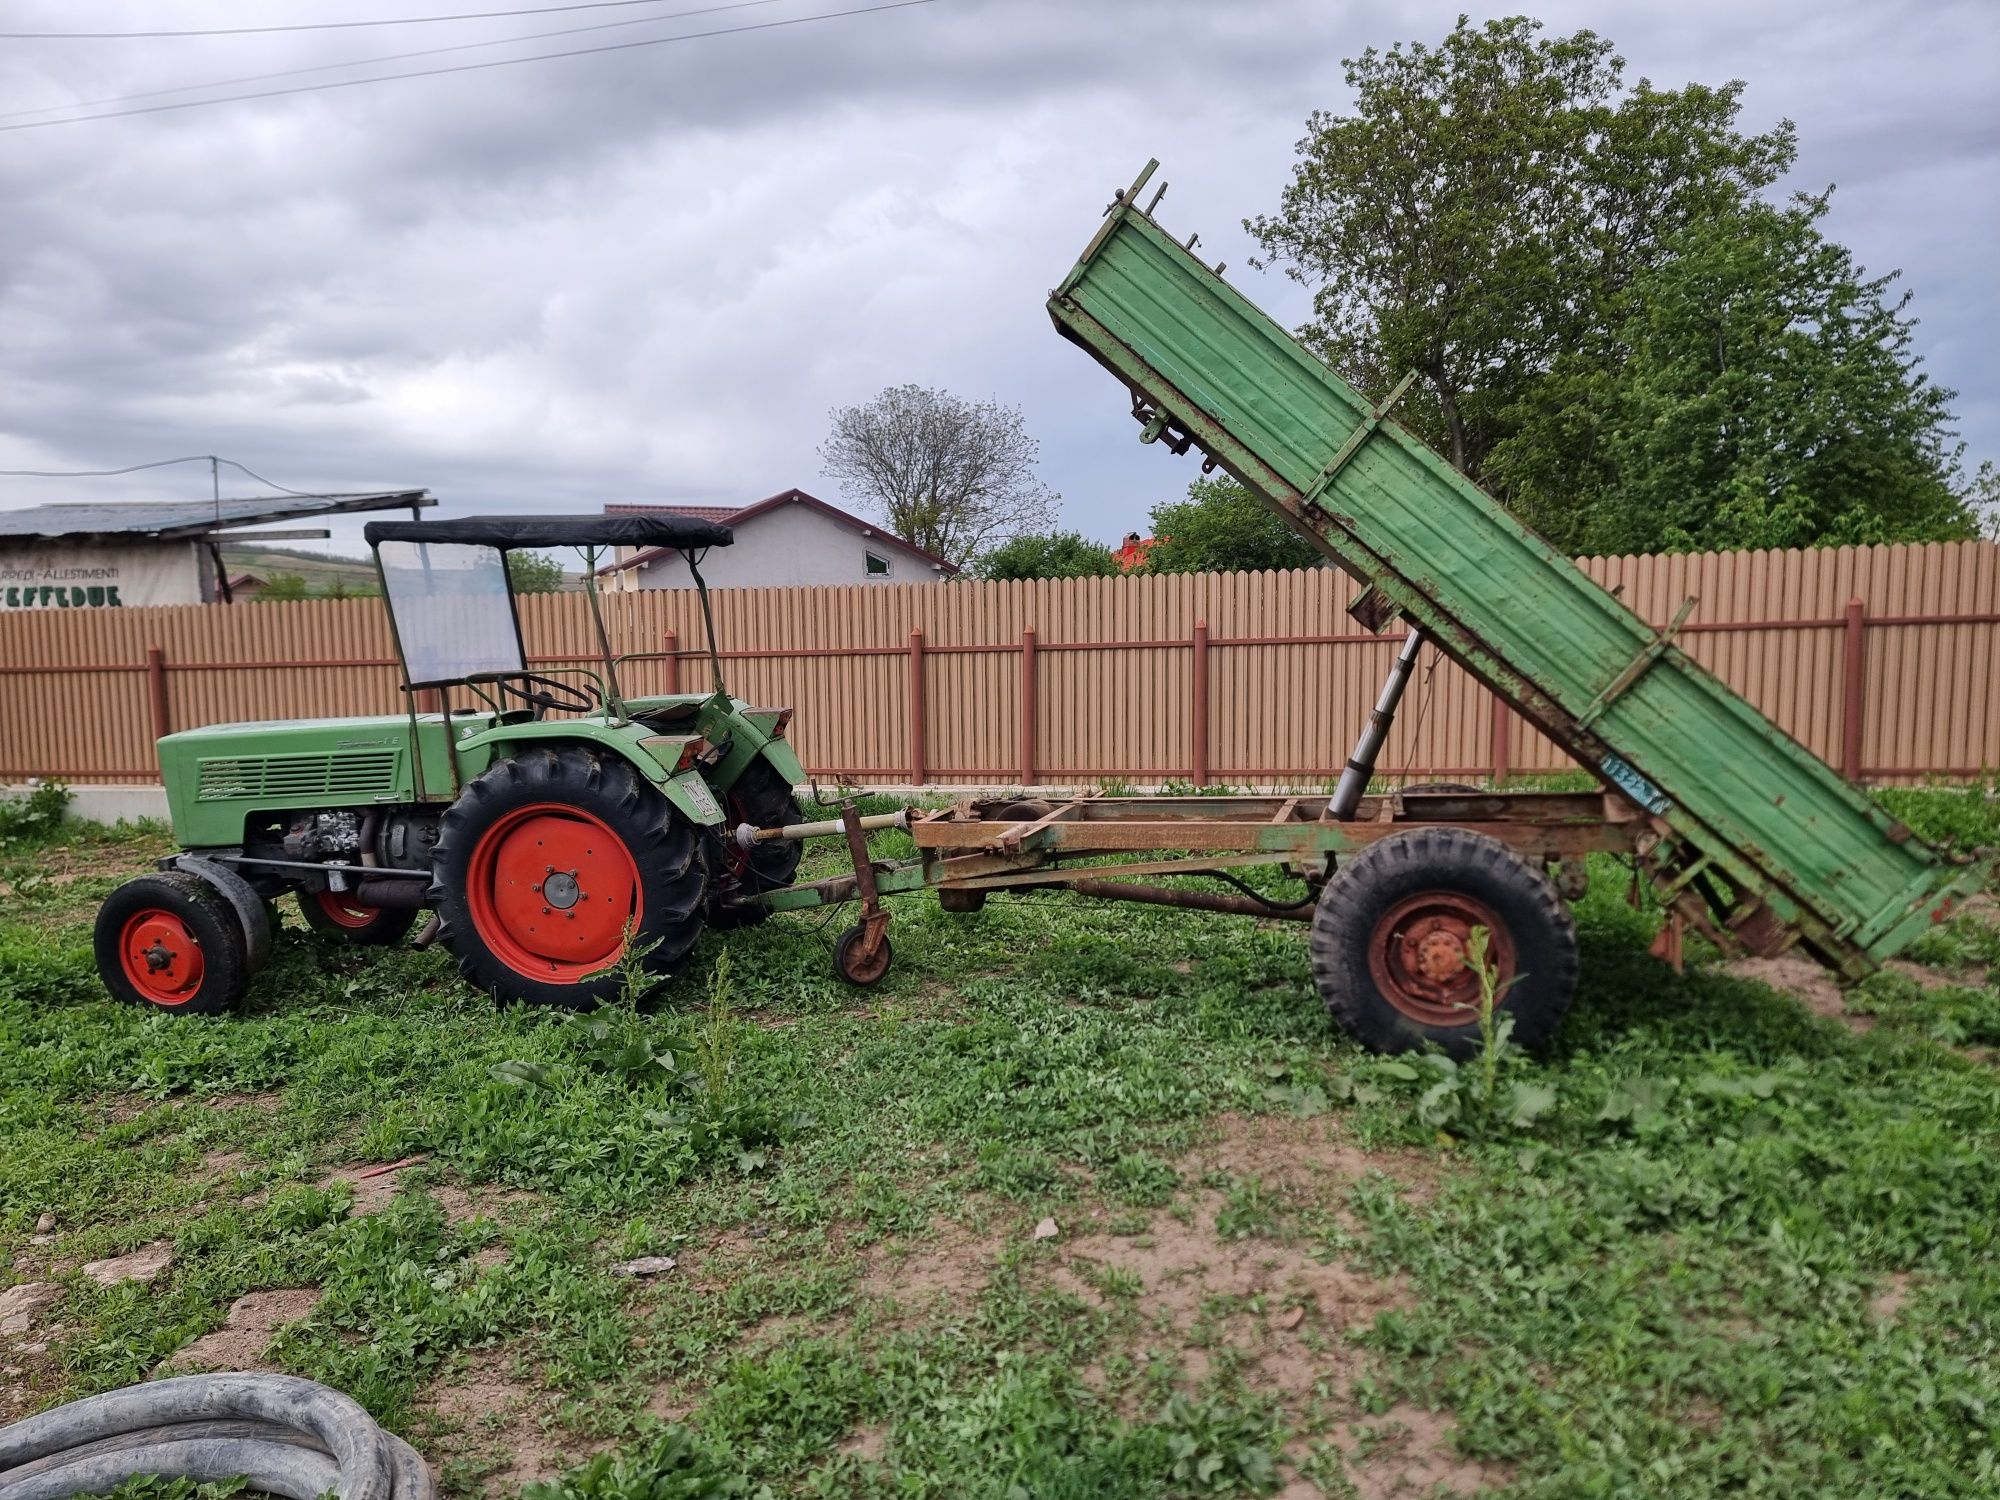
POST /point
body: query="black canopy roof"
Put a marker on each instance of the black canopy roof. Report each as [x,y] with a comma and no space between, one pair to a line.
[659,530]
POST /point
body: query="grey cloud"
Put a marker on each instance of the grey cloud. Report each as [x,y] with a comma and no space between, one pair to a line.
[651,274]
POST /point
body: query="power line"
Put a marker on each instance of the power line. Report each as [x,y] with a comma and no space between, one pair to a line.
[475,15]
[161,463]
[504,62]
[158,463]
[386,57]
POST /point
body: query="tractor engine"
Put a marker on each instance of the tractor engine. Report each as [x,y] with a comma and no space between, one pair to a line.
[361,841]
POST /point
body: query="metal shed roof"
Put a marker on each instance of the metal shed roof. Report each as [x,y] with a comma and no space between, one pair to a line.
[176,520]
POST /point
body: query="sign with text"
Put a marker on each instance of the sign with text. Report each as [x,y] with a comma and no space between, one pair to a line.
[61,575]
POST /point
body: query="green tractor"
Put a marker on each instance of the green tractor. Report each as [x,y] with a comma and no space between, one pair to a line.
[539,816]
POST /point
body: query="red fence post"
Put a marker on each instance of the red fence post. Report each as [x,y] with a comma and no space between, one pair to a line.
[916,708]
[1027,706]
[1853,704]
[1199,726]
[673,646]
[156,682]
[1503,727]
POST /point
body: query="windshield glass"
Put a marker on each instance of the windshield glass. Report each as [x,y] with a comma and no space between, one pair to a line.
[454,617]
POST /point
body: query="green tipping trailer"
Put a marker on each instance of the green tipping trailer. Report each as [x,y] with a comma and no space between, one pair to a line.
[1754,839]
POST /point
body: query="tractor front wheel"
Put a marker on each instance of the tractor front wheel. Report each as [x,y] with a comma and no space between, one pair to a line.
[336,914]
[173,942]
[547,861]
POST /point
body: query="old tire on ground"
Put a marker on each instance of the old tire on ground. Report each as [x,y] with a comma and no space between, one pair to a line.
[856,969]
[1456,788]
[763,799]
[545,860]
[172,942]
[1389,942]
[336,914]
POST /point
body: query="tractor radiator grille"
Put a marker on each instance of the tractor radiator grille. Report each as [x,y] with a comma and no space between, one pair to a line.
[337,775]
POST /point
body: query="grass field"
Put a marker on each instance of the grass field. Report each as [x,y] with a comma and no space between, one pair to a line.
[1083,1201]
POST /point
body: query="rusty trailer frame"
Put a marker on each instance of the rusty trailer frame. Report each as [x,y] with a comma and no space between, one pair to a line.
[1086,844]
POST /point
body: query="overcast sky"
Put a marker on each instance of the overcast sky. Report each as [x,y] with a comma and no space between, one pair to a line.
[648,275]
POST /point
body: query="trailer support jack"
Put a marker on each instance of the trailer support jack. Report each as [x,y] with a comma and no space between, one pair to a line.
[1361,764]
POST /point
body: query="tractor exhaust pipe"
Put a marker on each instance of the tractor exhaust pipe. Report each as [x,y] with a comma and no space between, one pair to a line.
[1361,764]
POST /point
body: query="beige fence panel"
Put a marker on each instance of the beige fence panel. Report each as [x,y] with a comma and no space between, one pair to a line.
[1882,660]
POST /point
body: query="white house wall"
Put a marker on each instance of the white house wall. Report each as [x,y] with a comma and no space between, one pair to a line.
[792,544]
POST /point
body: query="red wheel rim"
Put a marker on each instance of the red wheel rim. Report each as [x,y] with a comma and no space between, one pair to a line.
[160,956]
[1420,956]
[551,889]
[341,910]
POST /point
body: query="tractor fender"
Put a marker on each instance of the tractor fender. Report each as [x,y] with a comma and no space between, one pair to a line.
[687,791]
[783,759]
[251,913]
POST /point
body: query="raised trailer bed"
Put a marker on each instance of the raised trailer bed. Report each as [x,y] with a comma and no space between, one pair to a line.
[1760,843]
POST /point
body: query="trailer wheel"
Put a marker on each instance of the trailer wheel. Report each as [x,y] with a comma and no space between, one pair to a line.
[1390,935]
[171,941]
[763,799]
[543,863]
[853,966]
[336,914]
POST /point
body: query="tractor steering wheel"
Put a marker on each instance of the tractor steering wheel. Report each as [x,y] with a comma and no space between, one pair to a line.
[554,693]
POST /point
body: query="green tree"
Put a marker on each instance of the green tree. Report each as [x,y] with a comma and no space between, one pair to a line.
[534,573]
[281,588]
[1485,203]
[1057,554]
[1222,528]
[1764,394]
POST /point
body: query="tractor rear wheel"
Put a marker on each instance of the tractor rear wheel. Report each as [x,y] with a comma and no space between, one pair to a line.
[336,914]
[763,799]
[173,942]
[1391,941]
[546,861]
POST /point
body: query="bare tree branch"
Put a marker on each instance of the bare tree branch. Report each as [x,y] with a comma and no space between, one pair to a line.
[953,477]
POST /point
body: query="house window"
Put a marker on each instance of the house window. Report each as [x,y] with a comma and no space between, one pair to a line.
[878,567]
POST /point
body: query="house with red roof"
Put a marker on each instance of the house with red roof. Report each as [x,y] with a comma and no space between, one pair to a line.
[783,540]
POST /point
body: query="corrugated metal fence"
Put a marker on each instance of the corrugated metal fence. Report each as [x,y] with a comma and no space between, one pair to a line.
[1883,660]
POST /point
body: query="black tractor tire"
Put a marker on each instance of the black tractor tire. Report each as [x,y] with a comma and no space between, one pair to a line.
[763,799]
[543,863]
[336,915]
[172,942]
[1389,940]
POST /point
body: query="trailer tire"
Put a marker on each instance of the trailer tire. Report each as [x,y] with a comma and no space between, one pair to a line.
[171,942]
[1389,933]
[763,799]
[618,852]
[336,915]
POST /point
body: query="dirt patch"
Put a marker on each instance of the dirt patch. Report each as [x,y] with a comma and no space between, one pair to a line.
[247,1330]
[1409,1452]
[490,1417]
[1889,1298]
[953,1265]
[867,1444]
[375,1189]
[1805,981]
[1304,1156]
[1287,1313]
[1936,979]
